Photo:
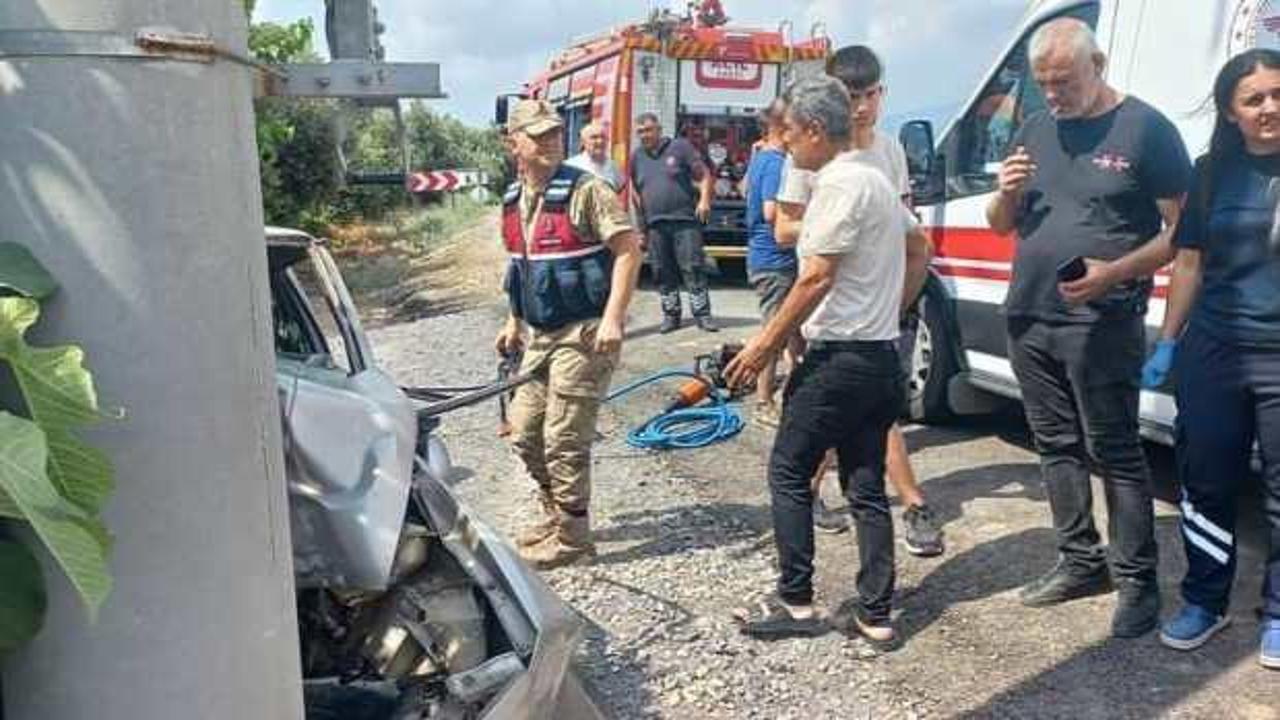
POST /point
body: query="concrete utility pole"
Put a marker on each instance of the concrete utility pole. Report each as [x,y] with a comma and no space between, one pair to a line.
[129,167]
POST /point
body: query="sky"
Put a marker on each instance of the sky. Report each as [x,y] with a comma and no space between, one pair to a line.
[934,51]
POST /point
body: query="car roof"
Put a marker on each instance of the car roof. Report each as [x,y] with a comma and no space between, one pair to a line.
[288,237]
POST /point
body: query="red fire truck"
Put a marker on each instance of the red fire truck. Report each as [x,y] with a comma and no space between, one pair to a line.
[704,79]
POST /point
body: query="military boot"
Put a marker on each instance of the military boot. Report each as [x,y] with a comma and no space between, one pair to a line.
[544,528]
[570,544]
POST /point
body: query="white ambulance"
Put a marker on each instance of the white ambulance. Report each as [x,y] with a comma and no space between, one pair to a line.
[1165,52]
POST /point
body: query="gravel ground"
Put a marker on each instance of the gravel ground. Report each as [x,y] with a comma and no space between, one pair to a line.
[685,537]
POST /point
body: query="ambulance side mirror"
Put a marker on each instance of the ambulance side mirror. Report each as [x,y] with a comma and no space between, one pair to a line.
[923,163]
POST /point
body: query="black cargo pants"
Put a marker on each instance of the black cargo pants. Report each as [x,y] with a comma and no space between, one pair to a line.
[678,260]
[1228,396]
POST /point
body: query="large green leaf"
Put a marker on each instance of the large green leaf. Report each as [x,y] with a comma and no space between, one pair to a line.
[8,508]
[76,540]
[20,272]
[22,596]
[60,398]
[81,473]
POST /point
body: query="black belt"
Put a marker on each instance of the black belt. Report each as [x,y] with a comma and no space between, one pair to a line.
[851,345]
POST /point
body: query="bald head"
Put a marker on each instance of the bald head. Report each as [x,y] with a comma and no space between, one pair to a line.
[594,142]
[1068,65]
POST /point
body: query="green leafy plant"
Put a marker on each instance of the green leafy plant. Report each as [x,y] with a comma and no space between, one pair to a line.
[50,480]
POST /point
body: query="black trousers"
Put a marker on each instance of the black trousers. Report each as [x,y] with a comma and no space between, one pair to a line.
[844,399]
[678,260]
[1080,392]
[1228,396]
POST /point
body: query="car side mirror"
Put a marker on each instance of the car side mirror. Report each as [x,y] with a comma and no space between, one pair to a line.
[917,141]
[923,163]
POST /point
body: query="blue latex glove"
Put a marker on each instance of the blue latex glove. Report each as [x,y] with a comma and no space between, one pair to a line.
[1156,371]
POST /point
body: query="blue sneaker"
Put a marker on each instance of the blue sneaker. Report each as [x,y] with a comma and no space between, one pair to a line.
[1193,626]
[1270,655]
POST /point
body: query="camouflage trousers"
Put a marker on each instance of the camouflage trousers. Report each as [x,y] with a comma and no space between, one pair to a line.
[554,415]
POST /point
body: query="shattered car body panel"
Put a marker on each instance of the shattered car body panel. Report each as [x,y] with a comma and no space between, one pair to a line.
[347,442]
[349,432]
[406,601]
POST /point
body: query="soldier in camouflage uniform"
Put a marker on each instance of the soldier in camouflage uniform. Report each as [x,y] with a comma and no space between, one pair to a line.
[574,258]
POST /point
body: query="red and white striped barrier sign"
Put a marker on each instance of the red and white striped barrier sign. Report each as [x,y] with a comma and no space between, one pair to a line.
[442,180]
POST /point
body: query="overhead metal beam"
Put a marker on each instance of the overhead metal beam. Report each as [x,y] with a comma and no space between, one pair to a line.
[356,79]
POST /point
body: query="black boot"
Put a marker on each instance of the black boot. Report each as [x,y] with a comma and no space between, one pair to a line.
[1064,583]
[706,324]
[670,323]
[1137,609]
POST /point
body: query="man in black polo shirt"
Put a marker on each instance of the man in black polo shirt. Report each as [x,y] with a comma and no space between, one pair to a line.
[672,208]
[1095,182]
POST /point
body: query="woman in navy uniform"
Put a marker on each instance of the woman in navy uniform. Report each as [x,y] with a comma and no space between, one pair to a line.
[1226,362]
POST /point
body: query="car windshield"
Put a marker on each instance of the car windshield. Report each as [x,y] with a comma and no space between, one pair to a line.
[304,319]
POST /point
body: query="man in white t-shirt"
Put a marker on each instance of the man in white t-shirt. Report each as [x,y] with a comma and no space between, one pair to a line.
[594,157]
[847,392]
[859,69]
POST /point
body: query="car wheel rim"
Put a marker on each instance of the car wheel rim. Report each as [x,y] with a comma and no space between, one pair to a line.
[921,359]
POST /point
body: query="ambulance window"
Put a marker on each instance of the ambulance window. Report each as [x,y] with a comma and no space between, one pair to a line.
[979,142]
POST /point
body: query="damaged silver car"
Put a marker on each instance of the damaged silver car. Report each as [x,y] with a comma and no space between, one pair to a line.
[409,608]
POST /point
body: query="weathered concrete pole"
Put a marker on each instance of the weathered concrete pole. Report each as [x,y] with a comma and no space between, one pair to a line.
[135,180]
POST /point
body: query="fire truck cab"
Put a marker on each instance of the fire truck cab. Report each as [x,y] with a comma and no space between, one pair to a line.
[705,82]
[1165,52]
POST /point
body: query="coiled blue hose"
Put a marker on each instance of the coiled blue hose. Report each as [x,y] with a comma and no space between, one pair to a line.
[685,428]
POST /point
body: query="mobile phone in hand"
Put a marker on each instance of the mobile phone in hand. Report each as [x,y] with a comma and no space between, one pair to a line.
[1073,269]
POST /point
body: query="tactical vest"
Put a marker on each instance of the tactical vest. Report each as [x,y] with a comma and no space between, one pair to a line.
[557,276]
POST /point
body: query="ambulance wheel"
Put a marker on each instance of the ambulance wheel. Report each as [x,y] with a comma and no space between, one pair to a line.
[933,361]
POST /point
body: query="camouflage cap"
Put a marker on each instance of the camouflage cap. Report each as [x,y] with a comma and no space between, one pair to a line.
[533,117]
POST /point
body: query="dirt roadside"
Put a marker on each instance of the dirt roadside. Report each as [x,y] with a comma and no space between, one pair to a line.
[684,537]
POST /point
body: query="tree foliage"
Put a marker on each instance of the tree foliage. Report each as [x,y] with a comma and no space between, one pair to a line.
[276,43]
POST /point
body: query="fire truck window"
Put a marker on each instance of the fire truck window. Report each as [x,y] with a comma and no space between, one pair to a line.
[978,143]
[575,118]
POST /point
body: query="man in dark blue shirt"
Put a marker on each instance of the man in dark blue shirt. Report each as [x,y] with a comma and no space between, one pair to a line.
[1099,177]
[671,188]
[771,267]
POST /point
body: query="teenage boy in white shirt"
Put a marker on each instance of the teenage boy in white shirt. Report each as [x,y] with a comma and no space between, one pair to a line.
[861,72]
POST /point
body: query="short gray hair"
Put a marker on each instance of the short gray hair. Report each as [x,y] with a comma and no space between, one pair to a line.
[822,100]
[1072,33]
